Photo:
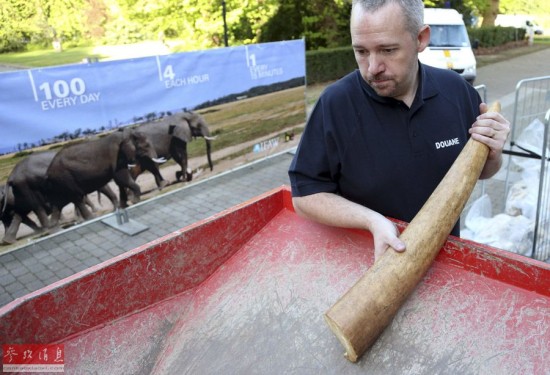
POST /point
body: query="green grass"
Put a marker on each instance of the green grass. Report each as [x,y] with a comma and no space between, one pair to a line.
[542,39]
[48,57]
[6,165]
[252,119]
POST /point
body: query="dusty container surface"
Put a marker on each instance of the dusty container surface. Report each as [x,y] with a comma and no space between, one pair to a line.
[244,292]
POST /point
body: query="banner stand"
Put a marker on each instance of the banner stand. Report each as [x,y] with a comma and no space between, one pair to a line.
[121,222]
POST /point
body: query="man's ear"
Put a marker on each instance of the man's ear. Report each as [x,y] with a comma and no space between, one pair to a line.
[423,38]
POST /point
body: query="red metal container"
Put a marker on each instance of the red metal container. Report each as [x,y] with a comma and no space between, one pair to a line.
[245,291]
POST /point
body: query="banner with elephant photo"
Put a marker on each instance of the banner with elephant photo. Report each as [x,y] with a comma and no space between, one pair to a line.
[44,106]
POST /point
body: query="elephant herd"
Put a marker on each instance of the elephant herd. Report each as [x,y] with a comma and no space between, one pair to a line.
[45,182]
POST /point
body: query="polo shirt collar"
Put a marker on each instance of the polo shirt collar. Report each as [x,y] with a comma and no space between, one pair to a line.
[429,87]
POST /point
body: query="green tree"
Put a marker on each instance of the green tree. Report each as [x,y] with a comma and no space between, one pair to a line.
[524,7]
[95,16]
[321,23]
[64,18]
[41,21]
[198,24]
[470,9]
[490,13]
[245,23]
[16,30]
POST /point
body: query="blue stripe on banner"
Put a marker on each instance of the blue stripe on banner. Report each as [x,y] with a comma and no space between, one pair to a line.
[38,105]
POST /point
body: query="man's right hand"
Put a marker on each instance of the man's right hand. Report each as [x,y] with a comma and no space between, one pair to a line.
[385,234]
[334,210]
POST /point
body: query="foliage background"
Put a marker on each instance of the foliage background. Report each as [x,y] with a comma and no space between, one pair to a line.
[186,25]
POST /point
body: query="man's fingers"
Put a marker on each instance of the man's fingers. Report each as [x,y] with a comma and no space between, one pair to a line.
[398,245]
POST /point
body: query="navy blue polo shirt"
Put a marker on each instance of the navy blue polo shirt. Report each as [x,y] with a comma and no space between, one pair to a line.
[378,152]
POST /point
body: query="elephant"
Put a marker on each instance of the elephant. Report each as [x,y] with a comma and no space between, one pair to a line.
[26,182]
[26,193]
[170,136]
[105,190]
[80,169]
[7,202]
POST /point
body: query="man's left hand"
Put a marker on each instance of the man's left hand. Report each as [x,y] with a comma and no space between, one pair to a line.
[492,129]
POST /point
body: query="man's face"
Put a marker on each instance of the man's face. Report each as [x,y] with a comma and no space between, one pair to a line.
[386,53]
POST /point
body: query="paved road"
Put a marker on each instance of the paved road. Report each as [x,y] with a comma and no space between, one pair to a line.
[501,78]
[30,267]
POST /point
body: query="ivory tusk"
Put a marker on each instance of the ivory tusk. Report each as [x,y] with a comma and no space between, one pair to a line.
[159,160]
[361,314]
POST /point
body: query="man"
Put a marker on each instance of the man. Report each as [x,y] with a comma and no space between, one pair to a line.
[380,140]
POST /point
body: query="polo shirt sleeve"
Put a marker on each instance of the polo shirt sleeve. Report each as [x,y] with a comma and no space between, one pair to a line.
[315,166]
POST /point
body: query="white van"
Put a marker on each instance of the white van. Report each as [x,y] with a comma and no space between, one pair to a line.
[449,46]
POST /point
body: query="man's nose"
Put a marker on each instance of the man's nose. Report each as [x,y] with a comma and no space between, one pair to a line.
[376,64]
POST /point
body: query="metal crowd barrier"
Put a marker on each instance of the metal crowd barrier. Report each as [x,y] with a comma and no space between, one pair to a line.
[482,90]
[532,102]
[541,234]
